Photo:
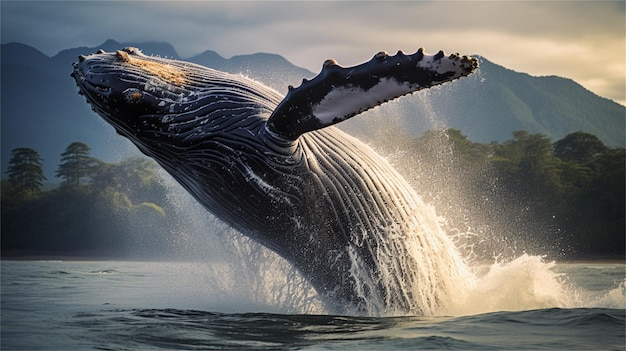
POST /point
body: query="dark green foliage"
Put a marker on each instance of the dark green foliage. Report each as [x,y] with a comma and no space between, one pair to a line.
[565,200]
[527,165]
[595,202]
[76,164]
[136,177]
[579,147]
[25,173]
[572,190]
[123,211]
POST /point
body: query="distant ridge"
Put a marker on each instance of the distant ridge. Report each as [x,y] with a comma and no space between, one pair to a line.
[41,108]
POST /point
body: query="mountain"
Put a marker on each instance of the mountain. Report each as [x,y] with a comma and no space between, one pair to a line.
[41,109]
[271,69]
[551,105]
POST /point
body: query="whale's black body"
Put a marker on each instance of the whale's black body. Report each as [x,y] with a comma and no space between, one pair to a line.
[272,168]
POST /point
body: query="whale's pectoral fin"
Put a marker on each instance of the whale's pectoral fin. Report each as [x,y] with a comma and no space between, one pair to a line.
[338,93]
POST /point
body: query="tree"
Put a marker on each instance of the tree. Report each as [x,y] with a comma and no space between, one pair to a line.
[76,164]
[528,164]
[25,172]
[136,177]
[580,147]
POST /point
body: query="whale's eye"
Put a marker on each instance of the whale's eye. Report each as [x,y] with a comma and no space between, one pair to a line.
[133,95]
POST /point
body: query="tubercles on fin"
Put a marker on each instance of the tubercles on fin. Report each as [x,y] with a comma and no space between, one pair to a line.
[419,55]
[381,55]
[330,62]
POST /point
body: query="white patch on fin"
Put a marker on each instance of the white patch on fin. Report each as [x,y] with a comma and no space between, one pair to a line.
[442,65]
[344,102]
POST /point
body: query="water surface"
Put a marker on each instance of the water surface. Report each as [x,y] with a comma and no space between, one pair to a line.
[116,305]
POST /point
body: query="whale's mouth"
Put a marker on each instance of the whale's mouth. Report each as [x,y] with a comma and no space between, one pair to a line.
[100,88]
[99,96]
[88,86]
[96,95]
[93,88]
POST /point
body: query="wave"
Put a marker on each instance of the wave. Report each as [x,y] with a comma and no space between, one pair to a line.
[574,329]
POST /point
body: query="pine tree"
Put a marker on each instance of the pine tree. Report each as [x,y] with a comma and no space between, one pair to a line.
[25,172]
[76,164]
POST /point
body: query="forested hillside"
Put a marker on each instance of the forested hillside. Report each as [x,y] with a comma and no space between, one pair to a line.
[563,199]
[527,194]
[116,210]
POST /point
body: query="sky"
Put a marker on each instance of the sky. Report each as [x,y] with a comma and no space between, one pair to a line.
[581,40]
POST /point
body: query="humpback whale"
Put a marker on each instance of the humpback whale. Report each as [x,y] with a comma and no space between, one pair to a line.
[276,169]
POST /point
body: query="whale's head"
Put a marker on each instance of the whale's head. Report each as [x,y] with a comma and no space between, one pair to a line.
[153,100]
[125,87]
[187,117]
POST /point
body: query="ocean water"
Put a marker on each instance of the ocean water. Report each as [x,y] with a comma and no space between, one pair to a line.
[525,304]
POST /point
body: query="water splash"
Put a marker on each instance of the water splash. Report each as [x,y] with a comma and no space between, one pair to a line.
[525,283]
[407,260]
[614,298]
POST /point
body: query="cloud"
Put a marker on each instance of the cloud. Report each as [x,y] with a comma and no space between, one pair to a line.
[579,40]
